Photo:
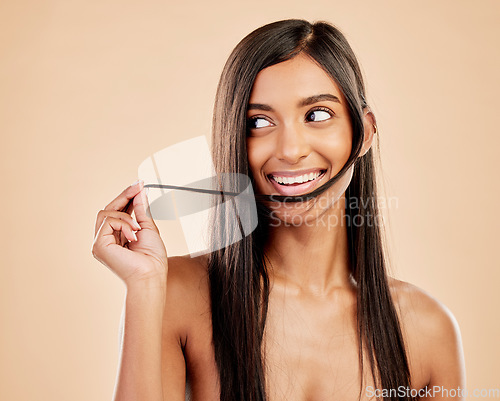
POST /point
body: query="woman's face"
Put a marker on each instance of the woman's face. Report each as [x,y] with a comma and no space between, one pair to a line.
[300,132]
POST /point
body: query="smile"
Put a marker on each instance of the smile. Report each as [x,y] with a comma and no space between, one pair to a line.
[296,183]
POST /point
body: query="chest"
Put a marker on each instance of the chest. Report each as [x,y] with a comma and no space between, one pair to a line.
[311,350]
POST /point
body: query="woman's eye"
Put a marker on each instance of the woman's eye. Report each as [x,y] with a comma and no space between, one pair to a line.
[319,115]
[257,122]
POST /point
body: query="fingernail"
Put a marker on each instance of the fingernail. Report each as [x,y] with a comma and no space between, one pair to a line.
[136,224]
[145,200]
[135,236]
[135,183]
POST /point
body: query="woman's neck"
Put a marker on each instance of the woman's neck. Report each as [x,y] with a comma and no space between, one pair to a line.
[312,257]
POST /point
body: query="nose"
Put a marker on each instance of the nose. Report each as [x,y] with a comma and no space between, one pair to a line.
[292,144]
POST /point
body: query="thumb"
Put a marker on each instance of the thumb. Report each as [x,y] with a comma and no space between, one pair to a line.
[142,210]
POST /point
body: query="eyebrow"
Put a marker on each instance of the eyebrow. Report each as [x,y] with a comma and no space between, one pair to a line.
[304,102]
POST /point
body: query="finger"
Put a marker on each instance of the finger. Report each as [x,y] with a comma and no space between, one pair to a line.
[105,248]
[129,208]
[121,202]
[111,225]
[142,211]
[101,215]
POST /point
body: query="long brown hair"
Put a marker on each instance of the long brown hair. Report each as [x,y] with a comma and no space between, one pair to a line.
[239,282]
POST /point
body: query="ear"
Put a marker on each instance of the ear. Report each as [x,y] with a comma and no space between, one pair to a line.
[370,130]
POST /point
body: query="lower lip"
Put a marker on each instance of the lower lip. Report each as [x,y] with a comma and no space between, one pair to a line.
[297,189]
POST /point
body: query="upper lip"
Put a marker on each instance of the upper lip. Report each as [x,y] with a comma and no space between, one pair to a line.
[296,173]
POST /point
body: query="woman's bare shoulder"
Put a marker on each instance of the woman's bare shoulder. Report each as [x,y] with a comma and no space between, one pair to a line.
[188,295]
[420,309]
[431,331]
[186,331]
[186,273]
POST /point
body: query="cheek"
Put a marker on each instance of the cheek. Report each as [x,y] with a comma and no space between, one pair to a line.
[336,149]
[256,154]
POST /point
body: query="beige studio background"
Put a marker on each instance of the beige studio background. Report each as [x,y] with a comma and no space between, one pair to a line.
[89,89]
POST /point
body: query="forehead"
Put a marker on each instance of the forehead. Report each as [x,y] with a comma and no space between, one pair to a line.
[299,77]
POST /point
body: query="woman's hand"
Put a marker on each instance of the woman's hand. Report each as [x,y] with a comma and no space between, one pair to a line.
[135,257]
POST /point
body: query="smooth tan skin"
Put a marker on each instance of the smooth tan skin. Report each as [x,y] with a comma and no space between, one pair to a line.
[310,338]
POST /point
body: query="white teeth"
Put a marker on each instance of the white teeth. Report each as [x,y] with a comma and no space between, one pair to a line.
[299,179]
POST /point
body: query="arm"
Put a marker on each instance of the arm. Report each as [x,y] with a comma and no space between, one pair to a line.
[139,373]
[152,364]
[135,252]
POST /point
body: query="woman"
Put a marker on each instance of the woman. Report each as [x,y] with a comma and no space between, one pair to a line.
[301,309]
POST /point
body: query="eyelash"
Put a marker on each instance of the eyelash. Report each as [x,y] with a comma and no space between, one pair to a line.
[319,108]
